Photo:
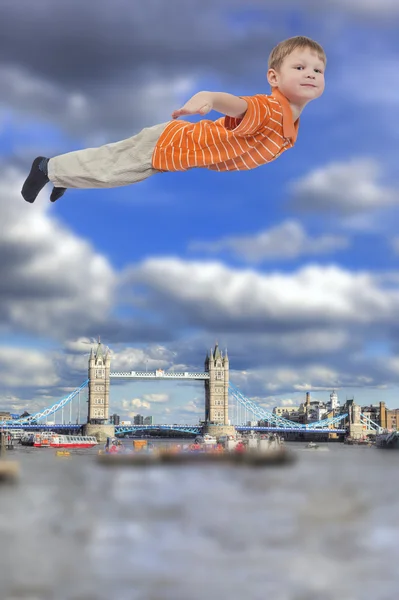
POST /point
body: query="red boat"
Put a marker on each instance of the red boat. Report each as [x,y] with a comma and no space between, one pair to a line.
[55,440]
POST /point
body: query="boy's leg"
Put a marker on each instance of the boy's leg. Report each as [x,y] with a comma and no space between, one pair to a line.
[113,165]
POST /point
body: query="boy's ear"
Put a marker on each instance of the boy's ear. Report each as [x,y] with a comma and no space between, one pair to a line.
[272,77]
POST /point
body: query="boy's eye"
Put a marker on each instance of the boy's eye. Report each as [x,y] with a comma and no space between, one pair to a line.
[298,67]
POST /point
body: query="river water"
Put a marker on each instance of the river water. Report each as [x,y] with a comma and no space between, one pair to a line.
[324,528]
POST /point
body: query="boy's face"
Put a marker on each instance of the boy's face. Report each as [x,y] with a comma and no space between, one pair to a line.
[300,77]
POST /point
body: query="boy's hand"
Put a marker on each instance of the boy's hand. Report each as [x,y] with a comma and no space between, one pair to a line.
[200,104]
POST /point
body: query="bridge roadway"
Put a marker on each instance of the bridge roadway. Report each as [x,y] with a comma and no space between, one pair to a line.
[192,429]
[158,374]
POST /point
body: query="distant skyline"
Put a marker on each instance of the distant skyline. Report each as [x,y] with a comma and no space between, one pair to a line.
[293,266]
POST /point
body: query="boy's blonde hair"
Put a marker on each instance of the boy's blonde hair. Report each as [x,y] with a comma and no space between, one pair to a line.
[284,48]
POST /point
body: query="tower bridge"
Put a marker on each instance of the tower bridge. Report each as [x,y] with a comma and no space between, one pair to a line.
[215,377]
[218,392]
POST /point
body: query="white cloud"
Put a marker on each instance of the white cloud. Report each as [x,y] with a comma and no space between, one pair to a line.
[306,378]
[193,407]
[22,87]
[344,188]
[53,282]
[81,344]
[12,403]
[285,241]
[128,405]
[26,368]
[287,402]
[77,112]
[74,364]
[156,398]
[145,402]
[212,295]
[131,359]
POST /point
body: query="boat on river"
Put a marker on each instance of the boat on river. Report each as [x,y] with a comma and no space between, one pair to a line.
[312,446]
[206,440]
[28,439]
[56,440]
[388,440]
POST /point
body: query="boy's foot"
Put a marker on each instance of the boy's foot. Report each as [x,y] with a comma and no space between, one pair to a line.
[36,179]
[57,193]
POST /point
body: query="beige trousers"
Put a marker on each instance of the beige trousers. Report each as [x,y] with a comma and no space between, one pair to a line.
[112,165]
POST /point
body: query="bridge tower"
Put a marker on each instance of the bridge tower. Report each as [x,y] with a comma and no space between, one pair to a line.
[98,403]
[356,428]
[217,393]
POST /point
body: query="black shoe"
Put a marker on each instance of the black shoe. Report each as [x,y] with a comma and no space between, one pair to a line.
[57,193]
[35,181]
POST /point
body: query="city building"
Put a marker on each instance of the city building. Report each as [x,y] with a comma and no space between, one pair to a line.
[372,412]
[316,410]
[5,416]
[138,420]
[148,420]
[287,412]
[393,419]
[310,410]
[115,419]
[389,418]
[334,402]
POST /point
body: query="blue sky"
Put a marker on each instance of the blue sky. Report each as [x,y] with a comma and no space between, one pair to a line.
[292,266]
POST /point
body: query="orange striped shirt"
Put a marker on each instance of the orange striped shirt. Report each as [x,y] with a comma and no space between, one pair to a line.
[229,144]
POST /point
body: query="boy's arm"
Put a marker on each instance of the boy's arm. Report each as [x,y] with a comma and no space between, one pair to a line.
[204,102]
